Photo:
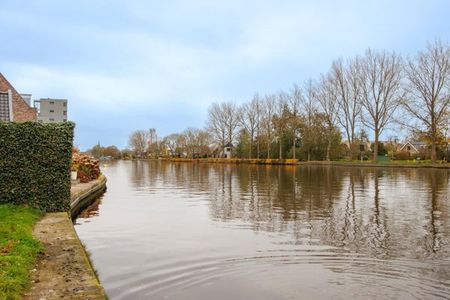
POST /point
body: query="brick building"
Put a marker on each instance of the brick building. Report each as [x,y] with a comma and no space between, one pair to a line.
[12,106]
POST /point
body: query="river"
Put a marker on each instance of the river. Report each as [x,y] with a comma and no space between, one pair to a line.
[214,231]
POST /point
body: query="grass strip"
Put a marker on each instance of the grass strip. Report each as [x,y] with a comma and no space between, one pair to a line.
[18,249]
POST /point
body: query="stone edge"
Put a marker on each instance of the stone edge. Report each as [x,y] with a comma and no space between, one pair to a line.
[82,199]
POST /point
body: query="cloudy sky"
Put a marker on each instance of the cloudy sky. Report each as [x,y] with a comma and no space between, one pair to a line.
[127,65]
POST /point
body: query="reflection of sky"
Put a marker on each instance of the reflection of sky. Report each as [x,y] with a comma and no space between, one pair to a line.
[125,66]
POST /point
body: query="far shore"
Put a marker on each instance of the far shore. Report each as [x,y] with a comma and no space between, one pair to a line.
[380,164]
[292,162]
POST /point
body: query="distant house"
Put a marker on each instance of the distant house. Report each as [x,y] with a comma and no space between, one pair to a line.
[227,150]
[413,147]
[13,107]
[221,152]
[365,145]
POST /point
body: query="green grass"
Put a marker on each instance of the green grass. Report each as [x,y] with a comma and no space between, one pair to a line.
[18,249]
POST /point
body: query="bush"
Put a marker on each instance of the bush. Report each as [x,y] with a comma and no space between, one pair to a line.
[35,163]
[402,155]
[87,167]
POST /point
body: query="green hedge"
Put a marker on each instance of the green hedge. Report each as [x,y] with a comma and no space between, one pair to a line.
[35,164]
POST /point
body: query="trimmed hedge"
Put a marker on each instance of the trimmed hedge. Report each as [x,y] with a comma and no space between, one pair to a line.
[35,164]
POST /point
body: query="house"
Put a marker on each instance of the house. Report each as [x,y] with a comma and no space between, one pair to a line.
[221,152]
[364,145]
[413,147]
[227,150]
[13,107]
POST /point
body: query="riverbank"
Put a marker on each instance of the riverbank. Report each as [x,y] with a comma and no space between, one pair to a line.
[83,194]
[388,164]
[295,162]
[254,161]
[64,270]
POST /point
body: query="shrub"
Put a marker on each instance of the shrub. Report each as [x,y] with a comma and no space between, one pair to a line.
[402,155]
[87,167]
[35,164]
[83,176]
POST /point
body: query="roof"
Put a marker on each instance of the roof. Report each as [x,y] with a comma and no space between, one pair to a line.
[20,108]
[5,85]
[416,145]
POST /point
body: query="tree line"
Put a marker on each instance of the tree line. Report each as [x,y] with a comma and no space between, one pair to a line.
[329,117]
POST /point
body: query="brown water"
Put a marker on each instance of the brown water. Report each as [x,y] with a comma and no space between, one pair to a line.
[213,231]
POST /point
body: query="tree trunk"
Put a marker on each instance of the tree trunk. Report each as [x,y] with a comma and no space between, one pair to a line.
[293,147]
[433,147]
[281,156]
[375,146]
[328,149]
[350,147]
[257,148]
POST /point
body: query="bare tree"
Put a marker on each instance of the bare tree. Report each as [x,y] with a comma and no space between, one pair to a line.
[295,101]
[249,120]
[280,120]
[153,147]
[309,107]
[217,124]
[190,141]
[231,114]
[268,110]
[428,89]
[257,105]
[138,142]
[327,97]
[346,79]
[171,142]
[203,142]
[223,121]
[381,92]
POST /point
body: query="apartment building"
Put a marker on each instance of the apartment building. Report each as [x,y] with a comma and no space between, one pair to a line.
[51,110]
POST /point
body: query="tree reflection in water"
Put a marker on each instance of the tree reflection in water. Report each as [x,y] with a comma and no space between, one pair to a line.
[385,212]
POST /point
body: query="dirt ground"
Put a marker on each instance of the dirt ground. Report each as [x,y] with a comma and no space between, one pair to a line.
[63,270]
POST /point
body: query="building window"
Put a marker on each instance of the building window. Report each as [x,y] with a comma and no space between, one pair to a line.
[65,112]
[52,102]
[52,111]
[4,107]
[64,104]
[51,120]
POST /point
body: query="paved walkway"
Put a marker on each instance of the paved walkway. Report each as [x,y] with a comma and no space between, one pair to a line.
[80,188]
[63,271]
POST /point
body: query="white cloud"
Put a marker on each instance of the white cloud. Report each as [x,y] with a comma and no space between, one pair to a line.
[173,58]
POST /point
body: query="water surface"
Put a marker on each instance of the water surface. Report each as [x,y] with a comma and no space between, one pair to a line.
[212,231]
